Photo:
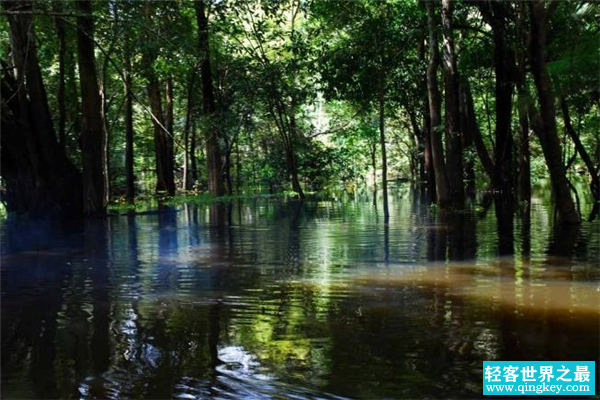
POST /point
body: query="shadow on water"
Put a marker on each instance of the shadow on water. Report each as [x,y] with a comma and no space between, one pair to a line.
[272,299]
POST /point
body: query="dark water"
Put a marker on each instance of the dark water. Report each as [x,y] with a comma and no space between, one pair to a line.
[273,299]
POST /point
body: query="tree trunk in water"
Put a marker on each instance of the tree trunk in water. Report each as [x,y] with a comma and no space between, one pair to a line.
[92,125]
[468,140]
[435,107]
[211,133]
[454,168]
[160,136]
[545,122]
[471,127]
[238,167]
[129,161]
[524,177]
[419,142]
[38,176]
[595,182]
[291,156]
[384,183]
[165,181]
[170,134]
[227,167]
[427,152]
[373,152]
[496,14]
[427,160]
[193,166]
[187,182]
[293,169]
[60,95]
[523,165]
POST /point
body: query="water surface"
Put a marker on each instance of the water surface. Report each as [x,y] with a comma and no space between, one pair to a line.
[282,299]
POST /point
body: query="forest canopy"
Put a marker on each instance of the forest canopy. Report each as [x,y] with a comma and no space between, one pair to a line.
[108,101]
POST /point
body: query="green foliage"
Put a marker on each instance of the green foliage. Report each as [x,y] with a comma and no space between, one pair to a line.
[321,64]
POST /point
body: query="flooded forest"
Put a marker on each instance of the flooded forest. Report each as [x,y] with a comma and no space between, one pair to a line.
[295,199]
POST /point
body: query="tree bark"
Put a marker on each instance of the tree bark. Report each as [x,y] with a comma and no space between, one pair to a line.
[595,181]
[427,150]
[193,166]
[170,141]
[38,176]
[160,139]
[373,151]
[435,107]
[60,94]
[545,123]
[384,183]
[165,181]
[471,127]
[187,181]
[454,150]
[496,14]
[291,153]
[129,160]
[419,154]
[211,131]
[524,164]
[92,124]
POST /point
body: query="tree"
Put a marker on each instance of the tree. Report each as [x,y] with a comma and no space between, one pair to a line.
[454,145]
[129,132]
[92,125]
[435,106]
[544,121]
[165,181]
[497,15]
[39,177]
[211,130]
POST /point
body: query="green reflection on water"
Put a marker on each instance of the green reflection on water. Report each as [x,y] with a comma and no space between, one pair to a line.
[273,298]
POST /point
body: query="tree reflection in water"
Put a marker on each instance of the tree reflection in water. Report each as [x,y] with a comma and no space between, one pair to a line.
[267,299]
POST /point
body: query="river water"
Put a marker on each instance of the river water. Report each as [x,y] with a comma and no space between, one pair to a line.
[267,298]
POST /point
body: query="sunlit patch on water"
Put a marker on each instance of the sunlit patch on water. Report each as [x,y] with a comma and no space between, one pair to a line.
[291,300]
[553,290]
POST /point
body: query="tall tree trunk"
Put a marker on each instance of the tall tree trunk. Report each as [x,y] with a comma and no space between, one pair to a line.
[471,127]
[129,160]
[468,137]
[428,154]
[595,182]
[211,131]
[524,164]
[293,170]
[193,166]
[92,125]
[187,181]
[160,135]
[435,107]
[373,151]
[291,156]
[524,168]
[425,139]
[73,106]
[454,167]
[545,122]
[60,94]
[38,176]
[384,183]
[170,141]
[165,181]
[419,142]
[238,167]
[495,14]
[227,166]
